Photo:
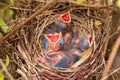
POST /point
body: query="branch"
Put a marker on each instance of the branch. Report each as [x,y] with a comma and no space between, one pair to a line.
[111,57]
[26,20]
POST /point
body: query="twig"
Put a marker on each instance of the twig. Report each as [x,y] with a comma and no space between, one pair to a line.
[111,73]
[115,33]
[111,58]
[21,9]
[26,20]
[22,74]
[5,70]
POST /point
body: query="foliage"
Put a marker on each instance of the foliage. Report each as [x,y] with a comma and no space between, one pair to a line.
[8,13]
[4,26]
[7,61]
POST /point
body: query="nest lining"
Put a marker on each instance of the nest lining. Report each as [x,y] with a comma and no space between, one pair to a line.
[82,30]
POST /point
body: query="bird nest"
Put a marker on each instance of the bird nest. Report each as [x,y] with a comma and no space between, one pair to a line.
[28,47]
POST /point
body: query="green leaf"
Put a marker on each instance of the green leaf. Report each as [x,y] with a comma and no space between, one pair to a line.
[9,13]
[1,77]
[3,25]
[118,3]
[80,1]
[7,61]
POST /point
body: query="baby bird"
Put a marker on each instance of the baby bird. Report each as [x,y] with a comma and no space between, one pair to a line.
[81,43]
[53,42]
[60,60]
[84,44]
[78,44]
[45,41]
[63,22]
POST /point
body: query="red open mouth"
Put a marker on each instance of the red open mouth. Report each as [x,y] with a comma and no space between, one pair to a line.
[53,38]
[66,17]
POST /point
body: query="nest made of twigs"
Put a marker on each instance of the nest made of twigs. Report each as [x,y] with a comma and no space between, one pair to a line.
[28,46]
